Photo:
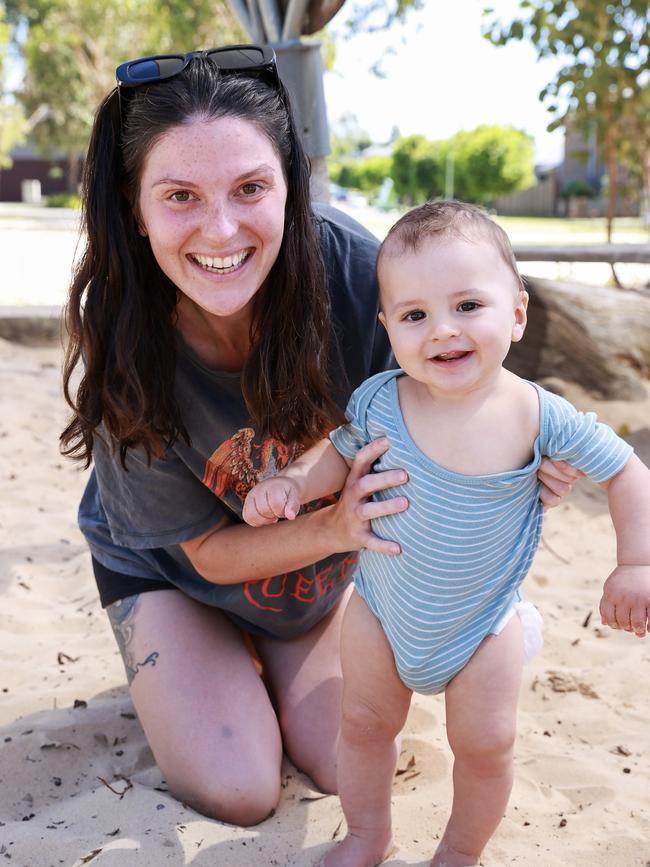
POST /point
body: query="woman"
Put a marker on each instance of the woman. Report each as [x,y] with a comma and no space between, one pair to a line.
[222,325]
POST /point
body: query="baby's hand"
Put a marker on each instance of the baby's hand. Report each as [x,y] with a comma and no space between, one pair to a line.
[270,500]
[626,599]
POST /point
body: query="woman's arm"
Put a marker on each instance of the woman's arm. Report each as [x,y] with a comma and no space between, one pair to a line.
[233,553]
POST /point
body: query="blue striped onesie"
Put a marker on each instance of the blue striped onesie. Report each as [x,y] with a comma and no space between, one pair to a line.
[467,541]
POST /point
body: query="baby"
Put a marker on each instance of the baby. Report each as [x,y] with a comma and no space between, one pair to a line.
[445,613]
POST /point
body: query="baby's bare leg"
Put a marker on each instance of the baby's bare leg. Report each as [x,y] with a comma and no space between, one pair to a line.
[375,705]
[481,726]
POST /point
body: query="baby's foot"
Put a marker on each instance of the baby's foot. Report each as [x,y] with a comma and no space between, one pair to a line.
[436,863]
[358,852]
[447,856]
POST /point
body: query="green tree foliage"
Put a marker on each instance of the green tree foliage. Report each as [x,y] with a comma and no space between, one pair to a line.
[417,169]
[361,174]
[634,149]
[12,131]
[491,161]
[372,171]
[72,47]
[12,120]
[603,84]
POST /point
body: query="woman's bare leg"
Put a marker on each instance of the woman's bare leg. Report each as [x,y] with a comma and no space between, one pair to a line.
[204,709]
[304,676]
[375,706]
[481,726]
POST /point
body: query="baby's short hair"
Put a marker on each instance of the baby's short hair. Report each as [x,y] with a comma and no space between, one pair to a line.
[448,219]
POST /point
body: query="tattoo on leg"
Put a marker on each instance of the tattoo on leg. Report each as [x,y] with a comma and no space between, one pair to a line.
[121,615]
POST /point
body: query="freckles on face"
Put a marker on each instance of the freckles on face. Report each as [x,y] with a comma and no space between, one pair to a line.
[212,203]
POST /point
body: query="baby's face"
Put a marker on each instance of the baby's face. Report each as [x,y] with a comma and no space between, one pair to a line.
[451,310]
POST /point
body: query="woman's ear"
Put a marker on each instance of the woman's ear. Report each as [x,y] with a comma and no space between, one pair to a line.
[137,216]
[381,318]
[142,229]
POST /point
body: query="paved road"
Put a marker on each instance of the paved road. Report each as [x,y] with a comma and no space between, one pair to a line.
[37,249]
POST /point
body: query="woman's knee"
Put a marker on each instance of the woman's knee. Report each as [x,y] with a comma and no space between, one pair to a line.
[321,769]
[245,801]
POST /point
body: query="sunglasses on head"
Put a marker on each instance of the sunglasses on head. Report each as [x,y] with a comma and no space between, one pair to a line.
[231,58]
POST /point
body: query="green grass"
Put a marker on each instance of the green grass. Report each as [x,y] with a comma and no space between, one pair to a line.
[558,230]
[531,230]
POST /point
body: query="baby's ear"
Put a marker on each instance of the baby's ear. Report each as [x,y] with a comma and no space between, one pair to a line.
[381,318]
[519,325]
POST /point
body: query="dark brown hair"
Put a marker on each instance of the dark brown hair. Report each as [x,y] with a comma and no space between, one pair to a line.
[448,219]
[120,314]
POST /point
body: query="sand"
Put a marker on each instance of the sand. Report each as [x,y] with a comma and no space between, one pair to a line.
[79,784]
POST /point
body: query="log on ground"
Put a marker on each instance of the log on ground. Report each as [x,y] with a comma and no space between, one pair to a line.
[596,336]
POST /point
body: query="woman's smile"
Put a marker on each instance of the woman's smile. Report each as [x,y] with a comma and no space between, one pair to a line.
[222,264]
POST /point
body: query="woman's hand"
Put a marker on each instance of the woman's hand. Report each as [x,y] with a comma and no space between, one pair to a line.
[349,519]
[558,479]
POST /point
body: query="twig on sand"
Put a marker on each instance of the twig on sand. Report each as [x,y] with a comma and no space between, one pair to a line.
[129,785]
[553,552]
[91,855]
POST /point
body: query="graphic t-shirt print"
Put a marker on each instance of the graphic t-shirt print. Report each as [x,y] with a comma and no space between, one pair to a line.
[230,472]
[240,462]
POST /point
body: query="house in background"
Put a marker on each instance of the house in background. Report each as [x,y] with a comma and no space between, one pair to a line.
[51,172]
[542,200]
[582,162]
[582,167]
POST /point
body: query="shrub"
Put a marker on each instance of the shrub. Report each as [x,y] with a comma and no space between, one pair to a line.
[63,200]
[578,188]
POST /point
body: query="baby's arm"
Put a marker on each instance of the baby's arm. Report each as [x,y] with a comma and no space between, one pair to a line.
[318,472]
[626,596]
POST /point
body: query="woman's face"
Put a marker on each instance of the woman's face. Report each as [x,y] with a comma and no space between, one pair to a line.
[212,200]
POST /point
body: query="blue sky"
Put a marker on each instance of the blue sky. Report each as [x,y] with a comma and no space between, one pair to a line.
[443,77]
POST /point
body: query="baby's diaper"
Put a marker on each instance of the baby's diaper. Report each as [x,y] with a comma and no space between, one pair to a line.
[532,627]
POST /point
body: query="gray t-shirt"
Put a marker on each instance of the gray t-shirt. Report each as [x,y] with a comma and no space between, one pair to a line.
[135,521]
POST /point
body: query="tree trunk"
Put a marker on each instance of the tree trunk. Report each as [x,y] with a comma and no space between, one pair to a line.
[595,336]
[320,180]
[73,172]
[645,193]
[611,141]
